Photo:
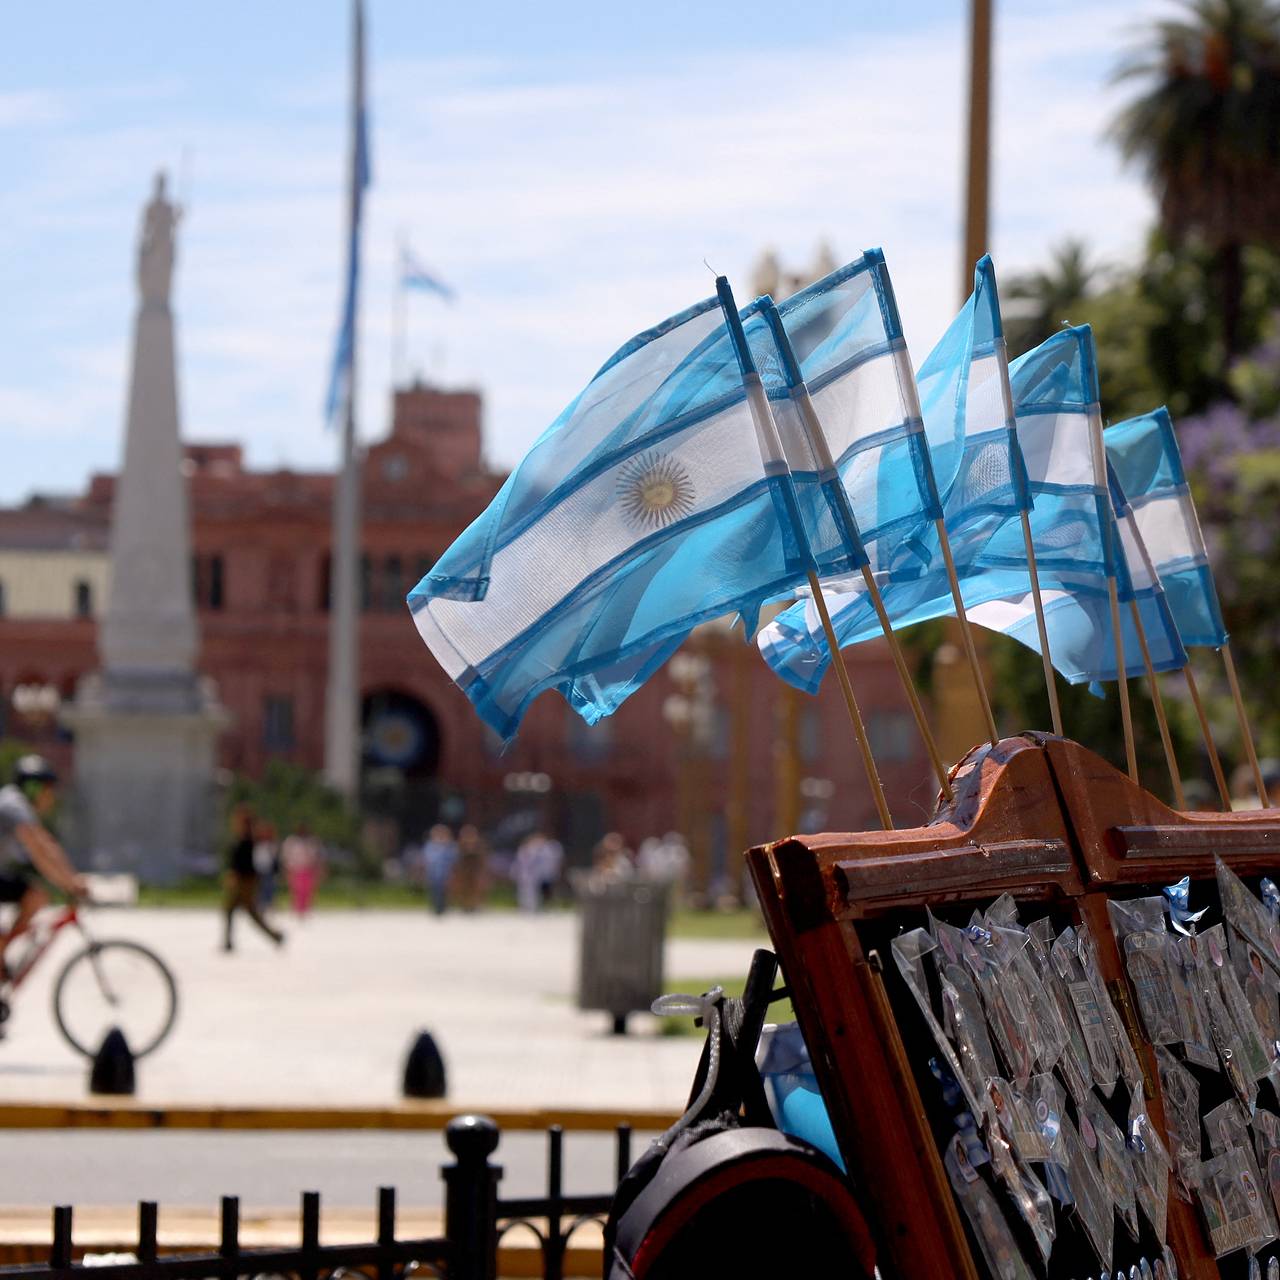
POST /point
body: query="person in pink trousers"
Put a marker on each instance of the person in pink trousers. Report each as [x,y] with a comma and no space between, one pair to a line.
[303,866]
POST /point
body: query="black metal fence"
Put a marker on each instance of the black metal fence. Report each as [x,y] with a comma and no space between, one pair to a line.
[476,1219]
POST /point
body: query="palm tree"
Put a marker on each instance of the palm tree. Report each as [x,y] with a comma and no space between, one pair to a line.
[1206,129]
[1039,302]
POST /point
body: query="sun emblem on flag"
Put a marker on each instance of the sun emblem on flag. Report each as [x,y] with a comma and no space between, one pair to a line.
[655,491]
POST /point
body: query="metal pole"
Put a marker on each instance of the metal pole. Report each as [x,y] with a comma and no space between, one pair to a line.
[341,761]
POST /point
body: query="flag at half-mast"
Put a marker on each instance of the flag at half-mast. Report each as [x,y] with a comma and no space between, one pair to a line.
[655,502]
[1148,465]
[344,346]
[967,459]
[413,275]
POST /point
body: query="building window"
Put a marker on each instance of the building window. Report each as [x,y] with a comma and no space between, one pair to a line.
[216,588]
[277,722]
[366,583]
[4,604]
[207,581]
[426,562]
[84,598]
[392,585]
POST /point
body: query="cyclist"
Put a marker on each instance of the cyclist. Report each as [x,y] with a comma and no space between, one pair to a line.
[26,846]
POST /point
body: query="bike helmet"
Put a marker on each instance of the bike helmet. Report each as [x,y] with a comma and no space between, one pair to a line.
[33,768]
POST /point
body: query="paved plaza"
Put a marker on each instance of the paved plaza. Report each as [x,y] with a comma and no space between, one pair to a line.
[328,1019]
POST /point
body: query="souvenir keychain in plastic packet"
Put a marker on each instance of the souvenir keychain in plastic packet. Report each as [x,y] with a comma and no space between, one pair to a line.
[1244,913]
[1181,1091]
[1151,1164]
[1050,1036]
[1257,1061]
[1231,1200]
[1074,1062]
[1266,1136]
[1106,1143]
[963,1016]
[1140,932]
[1089,1015]
[1123,1046]
[1184,973]
[1222,1026]
[1007,1010]
[1022,1186]
[1227,1127]
[1089,1193]
[1000,1250]
[909,950]
[1256,980]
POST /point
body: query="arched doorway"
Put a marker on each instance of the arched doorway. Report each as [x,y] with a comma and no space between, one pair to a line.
[400,755]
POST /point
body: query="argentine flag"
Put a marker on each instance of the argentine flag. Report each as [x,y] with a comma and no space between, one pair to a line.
[964,450]
[1148,465]
[413,275]
[656,501]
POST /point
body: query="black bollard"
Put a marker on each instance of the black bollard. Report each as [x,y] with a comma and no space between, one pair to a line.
[112,1070]
[424,1075]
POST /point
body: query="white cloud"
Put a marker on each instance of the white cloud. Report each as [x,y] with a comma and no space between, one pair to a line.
[569,214]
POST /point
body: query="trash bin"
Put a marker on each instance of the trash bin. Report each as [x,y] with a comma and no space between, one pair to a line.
[623,927]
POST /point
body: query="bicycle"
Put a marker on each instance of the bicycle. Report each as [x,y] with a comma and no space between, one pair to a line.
[108,983]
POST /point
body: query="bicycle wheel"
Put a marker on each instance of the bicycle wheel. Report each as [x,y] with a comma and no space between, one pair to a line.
[115,984]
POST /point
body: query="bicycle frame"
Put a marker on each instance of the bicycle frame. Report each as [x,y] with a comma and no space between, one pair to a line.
[65,915]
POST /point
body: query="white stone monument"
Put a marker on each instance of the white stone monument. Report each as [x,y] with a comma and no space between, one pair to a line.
[147,724]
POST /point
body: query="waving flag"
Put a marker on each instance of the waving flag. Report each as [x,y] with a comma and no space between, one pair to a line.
[413,275]
[1148,465]
[653,503]
[966,452]
[344,346]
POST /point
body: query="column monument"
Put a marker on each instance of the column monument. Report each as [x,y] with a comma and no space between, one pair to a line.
[146,725]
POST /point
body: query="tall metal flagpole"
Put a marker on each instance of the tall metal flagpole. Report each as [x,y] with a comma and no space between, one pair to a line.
[342,694]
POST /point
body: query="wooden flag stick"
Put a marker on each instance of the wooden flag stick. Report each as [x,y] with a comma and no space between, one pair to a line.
[1246,733]
[1175,776]
[846,687]
[1122,682]
[1055,711]
[908,684]
[1215,763]
[966,632]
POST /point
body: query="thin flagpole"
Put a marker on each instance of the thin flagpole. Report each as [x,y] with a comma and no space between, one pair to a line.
[817,440]
[775,463]
[1215,762]
[851,703]
[1245,732]
[1050,685]
[911,397]
[1171,759]
[1113,532]
[966,632]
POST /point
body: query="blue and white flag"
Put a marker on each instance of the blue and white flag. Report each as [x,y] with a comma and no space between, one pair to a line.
[1148,465]
[344,346]
[1083,531]
[966,452]
[413,275]
[655,502]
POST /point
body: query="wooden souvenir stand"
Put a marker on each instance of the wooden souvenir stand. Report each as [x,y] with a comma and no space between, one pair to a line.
[1038,817]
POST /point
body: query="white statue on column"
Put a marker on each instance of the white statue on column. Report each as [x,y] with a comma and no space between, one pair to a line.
[146,726]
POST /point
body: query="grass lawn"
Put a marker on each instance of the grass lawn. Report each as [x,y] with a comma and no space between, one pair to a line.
[345,893]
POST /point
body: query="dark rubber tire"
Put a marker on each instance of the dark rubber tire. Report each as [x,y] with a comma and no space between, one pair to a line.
[117,945]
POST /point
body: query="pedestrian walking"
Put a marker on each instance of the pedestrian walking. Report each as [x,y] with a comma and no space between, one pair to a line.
[303,865]
[473,856]
[266,862]
[439,855]
[539,860]
[242,879]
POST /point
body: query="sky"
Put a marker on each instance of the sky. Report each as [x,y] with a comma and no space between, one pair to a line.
[571,169]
